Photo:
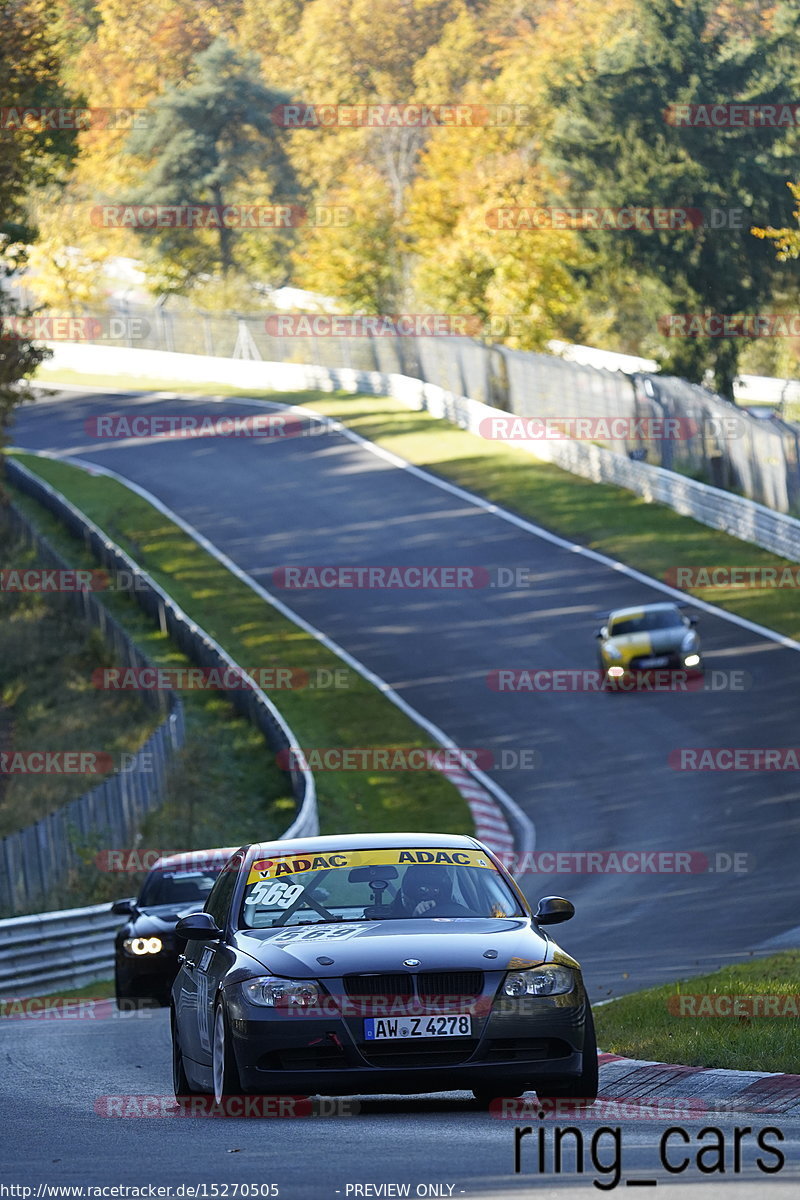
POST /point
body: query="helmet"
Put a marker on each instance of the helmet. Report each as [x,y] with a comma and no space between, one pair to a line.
[423,882]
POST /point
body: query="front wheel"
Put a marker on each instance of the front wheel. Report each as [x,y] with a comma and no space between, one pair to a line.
[223,1063]
[582,1088]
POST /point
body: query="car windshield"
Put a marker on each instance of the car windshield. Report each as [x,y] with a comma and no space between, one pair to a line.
[177,887]
[374,885]
[662,618]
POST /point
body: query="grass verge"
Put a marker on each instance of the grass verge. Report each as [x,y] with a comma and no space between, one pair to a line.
[47,702]
[351,713]
[649,1025]
[645,535]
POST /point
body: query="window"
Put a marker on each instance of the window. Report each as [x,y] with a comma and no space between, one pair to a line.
[219,901]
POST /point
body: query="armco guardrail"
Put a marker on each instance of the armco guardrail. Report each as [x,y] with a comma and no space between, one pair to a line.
[250,701]
[761,462]
[56,951]
[716,507]
[40,856]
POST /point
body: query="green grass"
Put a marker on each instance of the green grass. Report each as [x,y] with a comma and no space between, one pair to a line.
[258,637]
[47,702]
[224,788]
[648,1025]
[616,522]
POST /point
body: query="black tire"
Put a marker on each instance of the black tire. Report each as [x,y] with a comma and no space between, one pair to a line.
[223,1061]
[583,1087]
[180,1082]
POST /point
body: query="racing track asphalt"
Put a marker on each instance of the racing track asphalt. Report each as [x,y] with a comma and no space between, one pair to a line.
[55,1072]
[604,782]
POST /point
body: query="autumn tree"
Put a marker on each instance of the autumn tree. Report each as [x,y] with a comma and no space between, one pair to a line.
[30,153]
[212,142]
[616,146]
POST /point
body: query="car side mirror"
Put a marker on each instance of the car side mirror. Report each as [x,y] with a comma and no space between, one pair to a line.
[199,927]
[124,908]
[692,620]
[553,910]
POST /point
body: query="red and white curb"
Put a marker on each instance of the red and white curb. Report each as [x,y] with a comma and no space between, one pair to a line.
[702,1089]
[491,825]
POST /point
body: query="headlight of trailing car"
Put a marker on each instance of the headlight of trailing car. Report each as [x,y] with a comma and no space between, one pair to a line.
[539,981]
[141,945]
[689,642]
[611,651]
[270,992]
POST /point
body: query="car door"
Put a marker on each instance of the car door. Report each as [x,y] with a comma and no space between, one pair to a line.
[203,963]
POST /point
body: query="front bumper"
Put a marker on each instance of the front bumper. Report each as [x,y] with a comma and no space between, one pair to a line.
[149,977]
[514,1044]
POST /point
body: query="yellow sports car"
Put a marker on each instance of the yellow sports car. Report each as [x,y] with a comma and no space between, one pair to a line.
[651,637]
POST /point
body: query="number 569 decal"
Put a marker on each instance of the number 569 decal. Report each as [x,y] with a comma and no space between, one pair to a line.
[274,893]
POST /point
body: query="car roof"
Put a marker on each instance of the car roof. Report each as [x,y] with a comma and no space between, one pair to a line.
[369,841]
[638,609]
[195,858]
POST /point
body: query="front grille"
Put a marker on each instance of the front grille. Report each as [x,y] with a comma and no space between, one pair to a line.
[384,986]
[429,984]
[673,661]
[450,983]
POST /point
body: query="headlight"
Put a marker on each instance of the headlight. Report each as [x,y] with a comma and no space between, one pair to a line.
[540,981]
[140,945]
[689,642]
[270,992]
[611,651]
[691,660]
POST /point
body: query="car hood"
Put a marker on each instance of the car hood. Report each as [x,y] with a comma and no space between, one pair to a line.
[377,946]
[159,919]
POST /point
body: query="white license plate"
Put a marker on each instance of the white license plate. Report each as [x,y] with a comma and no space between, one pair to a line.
[378,1029]
[661,661]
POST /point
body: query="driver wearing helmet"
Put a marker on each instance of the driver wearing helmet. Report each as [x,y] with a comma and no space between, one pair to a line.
[427,891]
